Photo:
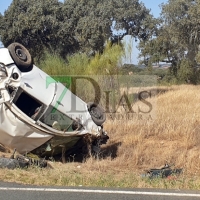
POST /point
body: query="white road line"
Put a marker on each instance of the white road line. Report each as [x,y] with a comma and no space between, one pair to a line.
[100,191]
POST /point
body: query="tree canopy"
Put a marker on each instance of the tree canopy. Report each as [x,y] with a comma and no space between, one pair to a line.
[177,39]
[73,26]
[35,24]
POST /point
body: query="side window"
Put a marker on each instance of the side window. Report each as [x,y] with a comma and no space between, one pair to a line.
[57,120]
[27,104]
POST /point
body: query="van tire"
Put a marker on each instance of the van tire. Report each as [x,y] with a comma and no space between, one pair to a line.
[97,113]
[21,57]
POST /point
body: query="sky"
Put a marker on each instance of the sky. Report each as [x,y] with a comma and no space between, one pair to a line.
[132,58]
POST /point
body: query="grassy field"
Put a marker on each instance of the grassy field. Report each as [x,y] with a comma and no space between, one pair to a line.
[172,136]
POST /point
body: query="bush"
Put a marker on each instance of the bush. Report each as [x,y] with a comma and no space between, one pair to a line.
[107,63]
[81,64]
[53,65]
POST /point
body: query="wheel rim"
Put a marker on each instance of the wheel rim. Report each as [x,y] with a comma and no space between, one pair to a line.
[20,54]
[95,113]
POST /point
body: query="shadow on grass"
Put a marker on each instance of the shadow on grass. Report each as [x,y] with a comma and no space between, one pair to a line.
[109,151]
[134,97]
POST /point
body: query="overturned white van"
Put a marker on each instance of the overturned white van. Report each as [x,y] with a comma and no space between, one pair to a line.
[42,116]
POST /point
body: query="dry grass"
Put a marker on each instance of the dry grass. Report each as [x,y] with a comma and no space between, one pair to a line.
[172,136]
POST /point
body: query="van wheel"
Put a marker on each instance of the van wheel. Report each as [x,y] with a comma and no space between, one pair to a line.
[97,113]
[21,57]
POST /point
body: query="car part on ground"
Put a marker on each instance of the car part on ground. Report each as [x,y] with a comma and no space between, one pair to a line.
[41,115]
[21,162]
[163,172]
[9,163]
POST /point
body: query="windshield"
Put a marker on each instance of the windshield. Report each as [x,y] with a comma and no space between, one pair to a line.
[58,121]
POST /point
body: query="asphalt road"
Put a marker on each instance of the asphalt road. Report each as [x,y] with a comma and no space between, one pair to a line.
[12,191]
